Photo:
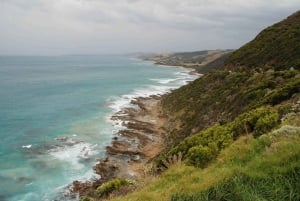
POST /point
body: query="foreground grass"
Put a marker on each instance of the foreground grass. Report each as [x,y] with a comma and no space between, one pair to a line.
[265,168]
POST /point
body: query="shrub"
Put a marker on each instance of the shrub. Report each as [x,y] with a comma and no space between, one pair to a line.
[220,135]
[266,123]
[85,199]
[284,92]
[201,155]
[258,121]
[201,148]
[110,186]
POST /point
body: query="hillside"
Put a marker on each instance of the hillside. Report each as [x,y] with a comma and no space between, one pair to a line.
[278,47]
[219,97]
[232,134]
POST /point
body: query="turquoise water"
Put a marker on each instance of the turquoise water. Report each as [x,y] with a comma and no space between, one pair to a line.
[55,116]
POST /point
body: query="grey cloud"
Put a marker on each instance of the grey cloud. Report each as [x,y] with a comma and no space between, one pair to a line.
[115,26]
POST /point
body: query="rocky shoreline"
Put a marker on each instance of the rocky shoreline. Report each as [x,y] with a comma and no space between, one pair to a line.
[145,126]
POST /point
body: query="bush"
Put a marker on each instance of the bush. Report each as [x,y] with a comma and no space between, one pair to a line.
[201,155]
[220,135]
[284,92]
[266,123]
[258,122]
[85,199]
[201,148]
[110,186]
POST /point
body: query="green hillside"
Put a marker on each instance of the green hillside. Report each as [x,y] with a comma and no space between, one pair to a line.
[234,134]
[277,46]
[220,96]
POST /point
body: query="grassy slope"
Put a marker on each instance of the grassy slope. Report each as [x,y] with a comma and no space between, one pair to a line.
[278,46]
[266,168]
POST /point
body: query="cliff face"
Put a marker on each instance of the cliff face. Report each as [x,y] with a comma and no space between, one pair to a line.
[277,47]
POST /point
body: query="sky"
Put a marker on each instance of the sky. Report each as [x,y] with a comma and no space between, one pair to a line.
[56,27]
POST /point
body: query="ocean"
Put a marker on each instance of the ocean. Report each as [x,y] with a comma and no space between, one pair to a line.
[55,116]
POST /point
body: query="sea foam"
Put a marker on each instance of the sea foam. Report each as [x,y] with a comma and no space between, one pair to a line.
[159,87]
[156,88]
[27,146]
[75,153]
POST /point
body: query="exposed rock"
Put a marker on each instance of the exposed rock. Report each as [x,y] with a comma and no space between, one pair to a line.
[132,147]
[121,147]
[140,126]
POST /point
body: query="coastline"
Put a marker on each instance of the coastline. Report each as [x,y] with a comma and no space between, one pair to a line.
[141,138]
[132,147]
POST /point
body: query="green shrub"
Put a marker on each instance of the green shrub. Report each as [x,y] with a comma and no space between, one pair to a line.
[201,155]
[201,148]
[85,199]
[258,122]
[110,186]
[266,123]
[220,135]
[284,92]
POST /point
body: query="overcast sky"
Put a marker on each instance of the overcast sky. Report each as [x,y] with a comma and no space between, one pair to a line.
[47,27]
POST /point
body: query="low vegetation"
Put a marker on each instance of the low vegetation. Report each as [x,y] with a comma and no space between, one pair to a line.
[201,148]
[110,186]
[221,96]
[104,190]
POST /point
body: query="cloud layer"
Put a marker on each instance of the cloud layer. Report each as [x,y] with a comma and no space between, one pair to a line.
[120,26]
